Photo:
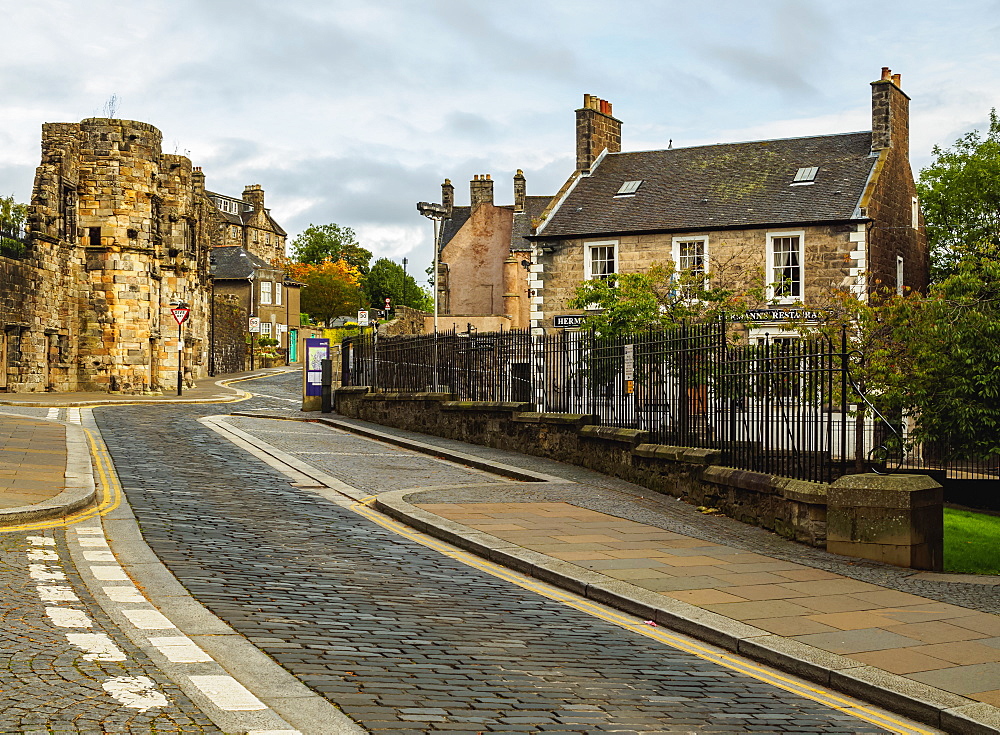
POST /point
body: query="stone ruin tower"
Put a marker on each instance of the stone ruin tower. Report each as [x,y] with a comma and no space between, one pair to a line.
[136,227]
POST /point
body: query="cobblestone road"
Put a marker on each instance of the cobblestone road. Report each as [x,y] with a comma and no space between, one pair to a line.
[64,666]
[406,640]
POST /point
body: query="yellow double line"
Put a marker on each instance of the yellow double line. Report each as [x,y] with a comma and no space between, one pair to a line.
[825,697]
[109,491]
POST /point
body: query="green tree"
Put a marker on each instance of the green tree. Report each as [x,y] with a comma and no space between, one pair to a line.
[330,242]
[13,217]
[330,289]
[387,278]
[960,198]
[932,358]
[664,297]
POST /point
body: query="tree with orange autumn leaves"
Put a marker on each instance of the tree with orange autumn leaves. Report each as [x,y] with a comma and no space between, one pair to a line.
[332,288]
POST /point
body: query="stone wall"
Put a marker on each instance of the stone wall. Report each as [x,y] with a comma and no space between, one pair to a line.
[896,519]
[230,324]
[890,202]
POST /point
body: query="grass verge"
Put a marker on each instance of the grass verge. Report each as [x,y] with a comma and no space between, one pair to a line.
[971,542]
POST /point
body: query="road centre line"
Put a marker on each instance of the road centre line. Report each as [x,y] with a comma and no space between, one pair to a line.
[294,468]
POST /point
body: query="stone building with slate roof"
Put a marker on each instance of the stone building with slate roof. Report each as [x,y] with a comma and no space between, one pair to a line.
[262,290]
[483,256]
[810,214]
[248,223]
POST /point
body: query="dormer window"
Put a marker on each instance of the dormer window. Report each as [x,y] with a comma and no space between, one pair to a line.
[806,175]
[628,188]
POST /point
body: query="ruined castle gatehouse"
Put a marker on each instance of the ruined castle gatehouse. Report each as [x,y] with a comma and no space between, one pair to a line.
[118,230]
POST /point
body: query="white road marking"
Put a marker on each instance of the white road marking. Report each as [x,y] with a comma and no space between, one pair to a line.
[57,593]
[124,593]
[277,398]
[41,541]
[138,692]
[91,543]
[98,646]
[42,573]
[227,693]
[73,416]
[85,531]
[67,617]
[148,619]
[109,573]
[43,555]
[53,413]
[98,556]
[180,650]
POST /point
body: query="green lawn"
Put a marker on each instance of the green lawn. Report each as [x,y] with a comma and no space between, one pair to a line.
[971,542]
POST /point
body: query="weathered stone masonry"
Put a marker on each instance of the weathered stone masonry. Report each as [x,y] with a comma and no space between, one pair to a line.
[117,230]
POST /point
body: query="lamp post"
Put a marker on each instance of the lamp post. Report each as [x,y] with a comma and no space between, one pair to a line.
[435,212]
[405,261]
[181,311]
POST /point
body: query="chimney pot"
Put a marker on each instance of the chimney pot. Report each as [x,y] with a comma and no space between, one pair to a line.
[481,190]
[594,136]
[895,80]
[886,73]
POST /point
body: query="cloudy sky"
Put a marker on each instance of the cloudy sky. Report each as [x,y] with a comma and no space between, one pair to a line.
[350,112]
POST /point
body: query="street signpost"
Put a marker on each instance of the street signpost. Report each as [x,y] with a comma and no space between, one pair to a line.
[254,325]
[180,314]
[363,318]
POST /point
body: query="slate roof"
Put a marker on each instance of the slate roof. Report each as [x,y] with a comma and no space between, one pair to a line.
[718,186]
[533,208]
[451,226]
[235,263]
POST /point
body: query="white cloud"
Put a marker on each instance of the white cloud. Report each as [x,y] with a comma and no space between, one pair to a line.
[350,112]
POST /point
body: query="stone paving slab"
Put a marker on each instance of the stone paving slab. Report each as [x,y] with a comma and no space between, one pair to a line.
[948,646]
[32,461]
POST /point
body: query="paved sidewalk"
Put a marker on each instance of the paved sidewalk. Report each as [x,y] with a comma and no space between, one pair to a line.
[791,608]
[946,646]
[32,461]
[206,390]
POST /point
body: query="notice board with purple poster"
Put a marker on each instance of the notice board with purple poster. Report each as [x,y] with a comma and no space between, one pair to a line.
[317,350]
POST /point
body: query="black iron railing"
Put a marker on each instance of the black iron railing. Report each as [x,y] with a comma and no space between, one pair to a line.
[780,407]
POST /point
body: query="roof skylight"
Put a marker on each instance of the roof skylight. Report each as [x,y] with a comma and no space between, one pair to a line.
[806,175]
[629,187]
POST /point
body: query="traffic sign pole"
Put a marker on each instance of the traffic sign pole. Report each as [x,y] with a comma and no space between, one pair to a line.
[180,315]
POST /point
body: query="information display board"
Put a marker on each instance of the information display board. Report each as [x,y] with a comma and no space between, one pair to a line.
[317,350]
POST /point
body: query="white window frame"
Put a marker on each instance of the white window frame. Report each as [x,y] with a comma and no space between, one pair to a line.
[915,213]
[899,275]
[588,248]
[265,292]
[265,329]
[277,293]
[770,267]
[675,252]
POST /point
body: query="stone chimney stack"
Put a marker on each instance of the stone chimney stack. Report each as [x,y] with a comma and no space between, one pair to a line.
[481,190]
[890,114]
[448,196]
[198,180]
[596,130]
[520,191]
[254,195]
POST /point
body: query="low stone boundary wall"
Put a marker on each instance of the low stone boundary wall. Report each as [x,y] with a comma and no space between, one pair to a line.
[792,508]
